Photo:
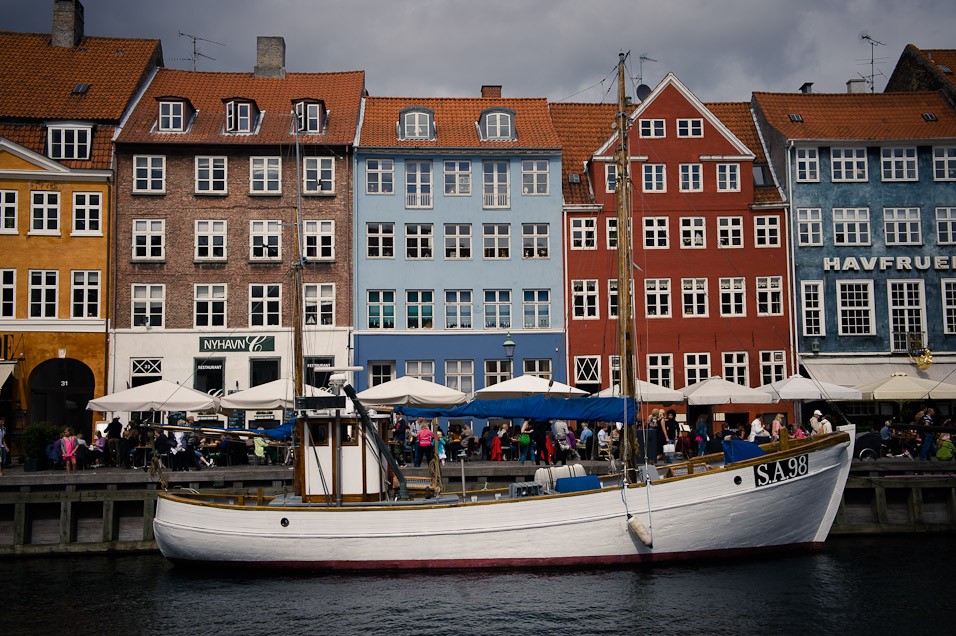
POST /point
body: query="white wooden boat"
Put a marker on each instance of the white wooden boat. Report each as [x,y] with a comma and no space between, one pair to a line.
[785,499]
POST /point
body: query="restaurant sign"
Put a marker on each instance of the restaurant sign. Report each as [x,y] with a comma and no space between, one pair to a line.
[237,343]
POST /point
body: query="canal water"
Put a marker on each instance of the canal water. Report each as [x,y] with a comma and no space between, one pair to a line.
[871,585]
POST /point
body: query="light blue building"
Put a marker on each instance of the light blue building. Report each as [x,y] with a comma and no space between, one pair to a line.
[458,241]
[871,180]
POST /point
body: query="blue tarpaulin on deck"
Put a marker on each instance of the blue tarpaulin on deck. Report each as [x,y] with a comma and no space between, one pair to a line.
[737,450]
[538,407]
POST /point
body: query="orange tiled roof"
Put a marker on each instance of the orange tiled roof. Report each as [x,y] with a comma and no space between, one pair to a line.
[455,119]
[877,116]
[34,137]
[37,79]
[341,92]
[941,57]
[582,128]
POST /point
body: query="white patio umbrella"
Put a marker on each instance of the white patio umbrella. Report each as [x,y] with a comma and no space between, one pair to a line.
[526,386]
[278,394]
[716,390]
[411,392]
[900,386]
[161,395]
[797,387]
[645,392]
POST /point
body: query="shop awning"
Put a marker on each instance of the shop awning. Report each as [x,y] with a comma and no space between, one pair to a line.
[6,369]
[854,371]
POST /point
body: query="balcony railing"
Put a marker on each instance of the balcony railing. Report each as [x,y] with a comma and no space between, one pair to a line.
[497,200]
[418,200]
[908,342]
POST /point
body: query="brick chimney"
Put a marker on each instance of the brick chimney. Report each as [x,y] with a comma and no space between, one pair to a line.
[67,23]
[856,85]
[270,56]
[491,90]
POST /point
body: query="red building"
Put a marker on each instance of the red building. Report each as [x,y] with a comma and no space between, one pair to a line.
[709,244]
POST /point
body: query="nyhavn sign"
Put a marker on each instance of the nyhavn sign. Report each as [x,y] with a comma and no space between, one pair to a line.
[237,343]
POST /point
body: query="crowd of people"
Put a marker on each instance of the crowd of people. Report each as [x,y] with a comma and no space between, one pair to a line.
[917,437]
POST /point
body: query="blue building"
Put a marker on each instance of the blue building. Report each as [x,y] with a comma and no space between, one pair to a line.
[871,180]
[458,241]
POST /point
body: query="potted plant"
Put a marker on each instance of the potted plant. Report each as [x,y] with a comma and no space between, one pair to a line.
[34,440]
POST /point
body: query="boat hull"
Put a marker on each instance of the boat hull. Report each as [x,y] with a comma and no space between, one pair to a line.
[750,508]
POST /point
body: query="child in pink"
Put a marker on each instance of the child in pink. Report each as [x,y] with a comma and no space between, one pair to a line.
[69,450]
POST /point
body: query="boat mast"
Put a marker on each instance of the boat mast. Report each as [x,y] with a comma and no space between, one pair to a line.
[623,236]
[298,367]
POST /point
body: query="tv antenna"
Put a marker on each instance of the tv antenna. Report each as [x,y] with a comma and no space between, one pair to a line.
[871,79]
[643,90]
[196,52]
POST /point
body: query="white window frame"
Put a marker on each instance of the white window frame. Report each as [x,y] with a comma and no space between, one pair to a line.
[380,371]
[906,312]
[172,116]
[69,142]
[496,184]
[538,367]
[810,227]
[212,237]
[728,177]
[44,213]
[85,293]
[693,232]
[265,236]
[497,308]
[730,232]
[657,298]
[43,293]
[733,296]
[691,177]
[735,367]
[773,366]
[808,165]
[380,176]
[212,176]
[419,309]
[9,212]
[265,305]
[319,304]
[318,238]
[459,311]
[496,240]
[88,212]
[946,225]
[584,233]
[381,306]
[902,226]
[862,312]
[153,233]
[660,369]
[947,296]
[318,175]
[587,369]
[213,298]
[696,367]
[535,177]
[416,124]
[8,293]
[656,233]
[610,177]
[652,128]
[239,117]
[848,165]
[690,128]
[145,179]
[265,176]
[694,298]
[944,163]
[655,177]
[147,305]
[420,369]
[899,164]
[498,371]
[813,308]
[585,304]
[769,295]
[536,308]
[380,238]
[851,227]
[612,304]
[457,241]
[498,126]
[418,184]
[535,240]
[767,231]
[308,116]
[419,241]
[457,178]
[460,375]
[610,233]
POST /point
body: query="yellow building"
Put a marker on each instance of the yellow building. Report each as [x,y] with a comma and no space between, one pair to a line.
[62,97]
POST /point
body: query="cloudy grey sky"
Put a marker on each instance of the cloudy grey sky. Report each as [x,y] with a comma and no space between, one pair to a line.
[559,49]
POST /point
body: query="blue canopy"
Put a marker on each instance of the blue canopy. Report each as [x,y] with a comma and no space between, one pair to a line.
[280,433]
[538,407]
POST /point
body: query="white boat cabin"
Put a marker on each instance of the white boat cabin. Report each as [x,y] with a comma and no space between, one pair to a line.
[338,461]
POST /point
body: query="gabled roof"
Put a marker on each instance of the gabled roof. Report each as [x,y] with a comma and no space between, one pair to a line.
[341,92]
[924,69]
[582,128]
[858,116]
[34,137]
[455,122]
[37,79]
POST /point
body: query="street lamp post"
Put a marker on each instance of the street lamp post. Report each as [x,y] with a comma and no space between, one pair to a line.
[509,346]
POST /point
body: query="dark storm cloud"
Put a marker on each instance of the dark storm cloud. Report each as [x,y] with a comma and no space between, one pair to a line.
[560,49]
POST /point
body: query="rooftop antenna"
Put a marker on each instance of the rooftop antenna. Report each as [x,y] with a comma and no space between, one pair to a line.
[643,90]
[871,80]
[196,52]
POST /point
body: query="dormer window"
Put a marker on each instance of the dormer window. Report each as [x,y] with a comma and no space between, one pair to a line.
[497,125]
[240,116]
[65,141]
[416,123]
[310,116]
[172,116]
